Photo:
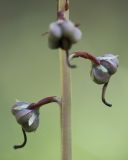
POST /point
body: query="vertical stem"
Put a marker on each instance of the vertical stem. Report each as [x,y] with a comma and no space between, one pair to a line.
[66,97]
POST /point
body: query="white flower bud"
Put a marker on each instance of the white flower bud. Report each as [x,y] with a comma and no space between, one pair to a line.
[67,28]
[71,31]
[110,61]
[55,34]
[108,66]
[55,30]
[27,118]
[100,74]
[76,35]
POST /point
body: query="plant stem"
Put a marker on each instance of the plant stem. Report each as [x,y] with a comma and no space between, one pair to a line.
[66,95]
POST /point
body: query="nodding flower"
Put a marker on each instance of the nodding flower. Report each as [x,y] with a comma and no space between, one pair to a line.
[27,115]
[63,34]
[103,67]
[108,66]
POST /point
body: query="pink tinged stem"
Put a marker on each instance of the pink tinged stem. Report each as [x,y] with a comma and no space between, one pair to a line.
[86,55]
[45,101]
[60,13]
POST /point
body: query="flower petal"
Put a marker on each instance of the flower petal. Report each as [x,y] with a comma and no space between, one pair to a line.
[102,68]
[32,119]
[20,105]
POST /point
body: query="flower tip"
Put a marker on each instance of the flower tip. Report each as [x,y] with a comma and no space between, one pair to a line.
[116,56]
[17,100]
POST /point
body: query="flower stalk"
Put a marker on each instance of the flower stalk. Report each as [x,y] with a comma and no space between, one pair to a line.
[84,55]
[45,101]
[65,114]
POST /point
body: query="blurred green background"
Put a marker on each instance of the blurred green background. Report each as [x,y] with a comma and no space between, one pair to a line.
[30,71]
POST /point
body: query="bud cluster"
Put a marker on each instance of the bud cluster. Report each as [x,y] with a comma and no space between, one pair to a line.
[62,34]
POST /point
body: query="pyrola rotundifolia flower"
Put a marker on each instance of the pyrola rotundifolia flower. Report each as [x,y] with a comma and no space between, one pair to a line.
[103,67]
[63,34]
[27,118]
[27,115]
[108,66]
